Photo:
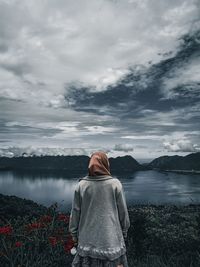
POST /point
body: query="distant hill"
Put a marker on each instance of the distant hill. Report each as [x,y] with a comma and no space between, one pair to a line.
[69,163]
[188,162]
[79,163]
[125,163]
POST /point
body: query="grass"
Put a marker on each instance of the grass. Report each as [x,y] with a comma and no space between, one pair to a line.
[164,235]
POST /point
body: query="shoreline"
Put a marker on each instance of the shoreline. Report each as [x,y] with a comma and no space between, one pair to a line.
[12,206]
[63,171]
[179,171]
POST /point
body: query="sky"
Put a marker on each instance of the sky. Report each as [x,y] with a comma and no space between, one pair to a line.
[121,76]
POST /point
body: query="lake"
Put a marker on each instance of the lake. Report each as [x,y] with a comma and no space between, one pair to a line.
[140,187]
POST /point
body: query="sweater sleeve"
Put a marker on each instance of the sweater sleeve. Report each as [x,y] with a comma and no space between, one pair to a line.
[123,212]
[75,214]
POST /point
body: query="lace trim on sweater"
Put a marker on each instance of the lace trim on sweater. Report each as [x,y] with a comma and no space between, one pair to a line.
[108,254]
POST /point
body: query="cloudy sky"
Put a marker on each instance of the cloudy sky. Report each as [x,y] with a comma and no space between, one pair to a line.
[115,75]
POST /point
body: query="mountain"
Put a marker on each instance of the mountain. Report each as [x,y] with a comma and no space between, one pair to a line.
[80,163]
[188,162]
[45,162]
[66,163]
[125,164]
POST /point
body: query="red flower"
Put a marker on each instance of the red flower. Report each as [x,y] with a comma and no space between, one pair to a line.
[6,230]
[69,245]
[36,225]
[63,217]
[18,244]
[59,233]
[46,218]
[52,240]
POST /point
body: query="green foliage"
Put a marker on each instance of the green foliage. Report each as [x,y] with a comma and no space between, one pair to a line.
[159,236]
[164,236]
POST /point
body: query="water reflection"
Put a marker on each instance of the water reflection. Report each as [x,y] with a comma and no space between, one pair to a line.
[140,187]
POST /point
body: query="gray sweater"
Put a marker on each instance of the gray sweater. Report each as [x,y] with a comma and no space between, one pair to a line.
[99,218]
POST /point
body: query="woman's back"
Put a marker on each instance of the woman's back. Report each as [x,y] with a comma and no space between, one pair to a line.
[102,203]
[99,194]
[99,219]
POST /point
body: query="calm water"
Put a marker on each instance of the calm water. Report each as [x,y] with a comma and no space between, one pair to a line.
[140,187]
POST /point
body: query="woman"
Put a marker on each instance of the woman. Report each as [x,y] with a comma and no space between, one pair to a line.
[99,218]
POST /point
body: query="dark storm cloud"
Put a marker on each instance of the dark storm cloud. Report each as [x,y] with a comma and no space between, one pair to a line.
[117,74]
[150,101]
[144,88]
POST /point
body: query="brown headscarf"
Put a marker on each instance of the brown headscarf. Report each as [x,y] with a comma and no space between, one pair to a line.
[99,164]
